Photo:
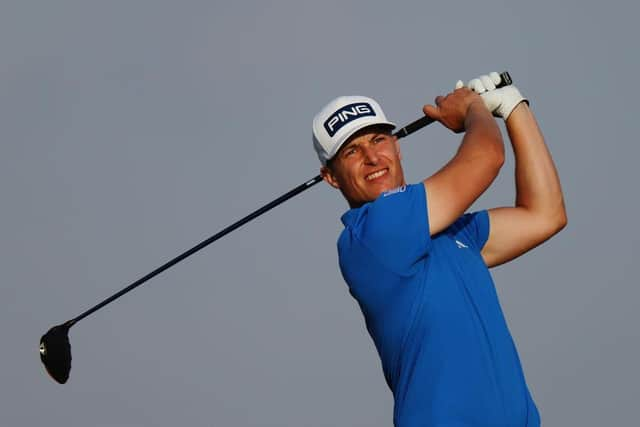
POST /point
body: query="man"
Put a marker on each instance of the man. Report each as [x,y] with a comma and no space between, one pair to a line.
[418,265]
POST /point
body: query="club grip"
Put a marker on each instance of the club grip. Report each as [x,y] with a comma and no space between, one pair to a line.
[505,80]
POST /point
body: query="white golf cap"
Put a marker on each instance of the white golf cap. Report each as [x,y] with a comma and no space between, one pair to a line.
[340,119]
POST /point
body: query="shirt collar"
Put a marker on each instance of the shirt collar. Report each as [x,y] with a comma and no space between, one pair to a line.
[349,217]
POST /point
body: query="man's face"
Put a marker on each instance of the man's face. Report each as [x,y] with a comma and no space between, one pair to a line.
[366,166]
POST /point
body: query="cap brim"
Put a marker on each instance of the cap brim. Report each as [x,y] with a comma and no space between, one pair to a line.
[355,130]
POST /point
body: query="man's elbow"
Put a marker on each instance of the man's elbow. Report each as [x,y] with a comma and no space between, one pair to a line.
[562,220]
[555,222]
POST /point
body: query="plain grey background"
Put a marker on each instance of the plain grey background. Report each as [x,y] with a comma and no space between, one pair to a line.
[131,130]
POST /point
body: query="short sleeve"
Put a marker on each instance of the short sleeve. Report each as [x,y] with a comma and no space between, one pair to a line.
[395,227]
[473,227]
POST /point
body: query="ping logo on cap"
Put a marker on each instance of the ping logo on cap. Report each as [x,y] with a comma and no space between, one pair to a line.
[347,114]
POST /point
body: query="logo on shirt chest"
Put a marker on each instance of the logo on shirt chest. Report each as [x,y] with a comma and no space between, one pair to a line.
[461,245]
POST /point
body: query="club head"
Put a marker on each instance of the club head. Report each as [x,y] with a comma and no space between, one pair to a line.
[55,352]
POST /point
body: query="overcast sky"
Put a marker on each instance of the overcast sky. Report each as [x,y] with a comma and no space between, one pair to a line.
[132,130]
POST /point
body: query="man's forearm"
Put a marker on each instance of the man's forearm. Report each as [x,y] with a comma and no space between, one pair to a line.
[537,184]
[452,189]
[482,139]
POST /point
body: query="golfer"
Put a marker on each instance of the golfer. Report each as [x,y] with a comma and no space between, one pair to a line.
[418,265]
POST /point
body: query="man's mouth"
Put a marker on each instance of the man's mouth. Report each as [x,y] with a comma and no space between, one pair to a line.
[376,174]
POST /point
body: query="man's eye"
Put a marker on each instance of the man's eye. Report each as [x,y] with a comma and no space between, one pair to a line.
[379,139]
[350,151]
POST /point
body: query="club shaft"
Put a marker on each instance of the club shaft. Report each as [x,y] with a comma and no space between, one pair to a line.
[299,189]
[405,131]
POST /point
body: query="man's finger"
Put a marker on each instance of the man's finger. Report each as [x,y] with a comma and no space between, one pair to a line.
[432,111]
[476,86]
[495,77]
[487,82]
[439,100]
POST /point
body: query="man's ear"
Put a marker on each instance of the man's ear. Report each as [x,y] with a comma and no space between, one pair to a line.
[329,177]
[397,142]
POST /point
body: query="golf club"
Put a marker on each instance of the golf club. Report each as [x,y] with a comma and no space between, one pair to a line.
[55,349]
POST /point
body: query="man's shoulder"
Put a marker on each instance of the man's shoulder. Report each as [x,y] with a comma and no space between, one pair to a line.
[393,222]
[386,203]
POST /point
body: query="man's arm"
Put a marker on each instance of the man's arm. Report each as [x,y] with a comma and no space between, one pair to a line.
[452,189]
[539,210]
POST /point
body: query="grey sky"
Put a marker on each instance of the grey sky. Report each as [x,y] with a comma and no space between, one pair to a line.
[132,130]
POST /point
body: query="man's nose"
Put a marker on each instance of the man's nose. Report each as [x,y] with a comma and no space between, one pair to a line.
[370,155]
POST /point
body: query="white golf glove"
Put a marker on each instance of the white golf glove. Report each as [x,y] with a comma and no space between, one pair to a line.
[500,102]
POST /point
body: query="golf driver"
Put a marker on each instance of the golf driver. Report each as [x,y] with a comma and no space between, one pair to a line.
[55,349]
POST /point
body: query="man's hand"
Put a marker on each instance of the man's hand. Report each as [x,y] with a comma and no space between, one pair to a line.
[501,102]
[453,109]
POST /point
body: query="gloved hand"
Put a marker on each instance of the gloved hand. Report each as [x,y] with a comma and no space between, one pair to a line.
[501,101]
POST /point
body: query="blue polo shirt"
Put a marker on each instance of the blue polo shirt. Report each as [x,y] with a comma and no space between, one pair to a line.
[432,310]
